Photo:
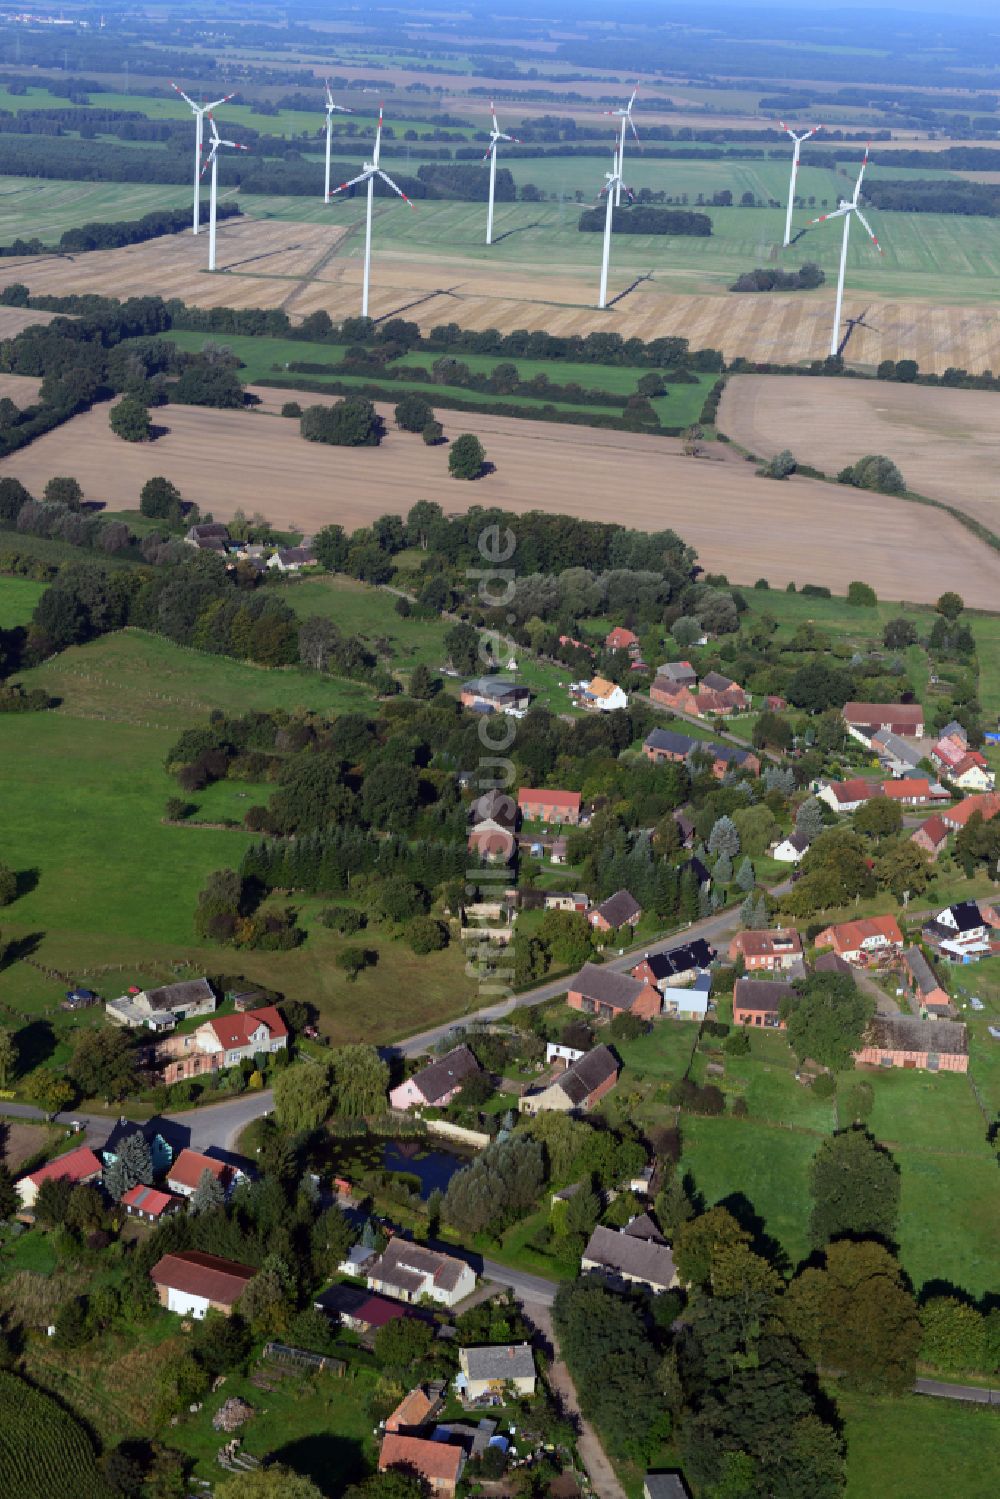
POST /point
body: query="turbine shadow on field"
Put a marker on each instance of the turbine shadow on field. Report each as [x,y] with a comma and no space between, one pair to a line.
[799,234]
[520,229]
[613,301]
[441,291]
[264,255]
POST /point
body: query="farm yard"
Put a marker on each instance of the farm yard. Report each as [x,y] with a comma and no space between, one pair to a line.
[256,460]
[946,442]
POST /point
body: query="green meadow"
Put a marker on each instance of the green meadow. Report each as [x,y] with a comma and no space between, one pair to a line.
[34,209]
[18,597]
[918,1448]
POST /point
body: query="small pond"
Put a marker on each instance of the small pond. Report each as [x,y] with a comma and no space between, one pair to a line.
[432,1165]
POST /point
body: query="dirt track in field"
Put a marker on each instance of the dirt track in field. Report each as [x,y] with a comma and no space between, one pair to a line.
[295,266]
[946,442]
[801,531]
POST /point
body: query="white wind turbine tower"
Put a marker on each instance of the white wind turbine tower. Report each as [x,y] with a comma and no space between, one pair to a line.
[331,110]
[213,162]
[799,142]
[625,115]
[846,211]
[612,183]
[200,111]
[371,171]
[496,134]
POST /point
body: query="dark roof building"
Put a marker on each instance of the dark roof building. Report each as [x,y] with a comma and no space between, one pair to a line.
[620,909]
[625,1257]
[441,1078]
[577,1089]
[204,1276]
[599,989]
[666,742]
[661,967]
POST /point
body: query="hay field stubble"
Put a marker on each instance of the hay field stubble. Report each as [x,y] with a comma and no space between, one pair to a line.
[946,442]
[801,531]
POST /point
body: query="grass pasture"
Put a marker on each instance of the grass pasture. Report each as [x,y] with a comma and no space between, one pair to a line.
[35,209]
[917,1448]
[18,597]
[81,805]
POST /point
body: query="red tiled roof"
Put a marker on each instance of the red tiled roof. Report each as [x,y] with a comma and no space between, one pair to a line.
[935,828]
[78,1165]
[528,797]
[902,791]
[619,637]
[781,940]
[148,1199]
[412,1410]
[987,803]
[880,713]
[850,934]
[203,1275]
[852,791]
[237,1030]
[190,1164]
[434,1461]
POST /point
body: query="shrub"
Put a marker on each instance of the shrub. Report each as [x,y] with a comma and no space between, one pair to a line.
[350,423]
[129,420]
[737,1044]
[343,919]
[824,1086]
[425,935]
[433,434]
[780,466]
[413,413]
[873,472]
[291,408]
[861,595]
[467,456]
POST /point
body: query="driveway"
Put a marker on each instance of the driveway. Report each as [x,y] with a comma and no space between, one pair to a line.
[969,1392]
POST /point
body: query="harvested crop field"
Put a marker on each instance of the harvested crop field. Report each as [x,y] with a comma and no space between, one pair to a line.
[14,320]
[740,525]
[544,276]
[21,389]
[946,442]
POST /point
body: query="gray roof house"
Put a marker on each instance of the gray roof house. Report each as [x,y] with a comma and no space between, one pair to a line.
[620,909]
[160,1009]
[664,1486]
[680,672]
[410,1272]
[629,1259]
[487,1370]
[579,1087]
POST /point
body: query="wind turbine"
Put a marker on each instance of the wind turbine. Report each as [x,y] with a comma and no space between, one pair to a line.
[846,211]
[200,111]
[213,162]
[371,171]
[799,142]
[612,182]
[496,134]
[625,115]
[331,110]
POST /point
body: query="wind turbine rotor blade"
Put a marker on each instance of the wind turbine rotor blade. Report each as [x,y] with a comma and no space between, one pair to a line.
[184,96]
[871,232]
[209,159]
[634,132]
[837,213]
[396,189]
[224,100]
[354,182]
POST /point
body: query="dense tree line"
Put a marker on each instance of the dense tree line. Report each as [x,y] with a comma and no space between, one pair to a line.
[937,196]
[640,219]
[806,278]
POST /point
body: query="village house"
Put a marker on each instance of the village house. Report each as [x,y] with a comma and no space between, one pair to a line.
[960,932]
[599,991]
[791,849]
[757,1002]
[620,639]
[664,1486]
[410,1272]
[664,744]
[149,1204]
[438,1465]
[549,806]
[689,1001]
[867,941]
[160,1009]
[492,842]
[292,559]
[77,1166]
[846,796]
[191,1283]
[602,696]
[555,1051]
[494,1369]
[966,768]
[636,1255]
[415,1410]
[359,1310]
[619,910]
[209,536]
[895,754]
[495,694]
[677,966]
[986,803]
[681,673]
[912,791]
[925,985]
[186,1172]
[865,720]
[565,900]
[904,1041]
[775,951]
[931,836]
[437,1084]
[223,1041]
[577,1088]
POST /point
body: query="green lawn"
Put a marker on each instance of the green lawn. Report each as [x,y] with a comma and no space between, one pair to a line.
[663,1054]
[18,597]
[928,1111]
[918,1448]
[81,802]
[34,209]
[949,1225]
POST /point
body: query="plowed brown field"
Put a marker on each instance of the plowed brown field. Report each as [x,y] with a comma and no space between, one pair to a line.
[801,531]
[946,442]
[295,266]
